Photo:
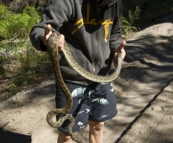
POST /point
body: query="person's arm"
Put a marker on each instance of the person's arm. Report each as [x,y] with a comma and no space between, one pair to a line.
[54,15]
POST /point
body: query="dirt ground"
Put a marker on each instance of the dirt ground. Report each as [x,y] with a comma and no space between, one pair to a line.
[143,93]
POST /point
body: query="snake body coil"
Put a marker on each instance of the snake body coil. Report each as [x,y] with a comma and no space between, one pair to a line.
[53,54]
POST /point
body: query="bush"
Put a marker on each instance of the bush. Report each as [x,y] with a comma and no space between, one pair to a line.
[17,25]
[151,10]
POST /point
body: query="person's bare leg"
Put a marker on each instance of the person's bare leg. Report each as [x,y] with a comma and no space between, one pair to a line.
[96,132]
[64,138]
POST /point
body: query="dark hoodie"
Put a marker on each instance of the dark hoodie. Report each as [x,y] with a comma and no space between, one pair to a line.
[93,34]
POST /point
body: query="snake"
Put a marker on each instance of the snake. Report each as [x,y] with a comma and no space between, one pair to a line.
[52,50]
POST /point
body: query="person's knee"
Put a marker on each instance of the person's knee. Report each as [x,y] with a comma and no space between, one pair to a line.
[96,126]
[63,137]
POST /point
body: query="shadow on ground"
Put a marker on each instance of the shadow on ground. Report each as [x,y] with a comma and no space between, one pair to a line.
[137,87]
[10,137]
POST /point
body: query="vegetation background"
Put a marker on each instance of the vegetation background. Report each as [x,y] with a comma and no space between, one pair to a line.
[22,67]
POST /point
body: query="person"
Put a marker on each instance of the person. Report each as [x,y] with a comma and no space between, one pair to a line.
[92,30]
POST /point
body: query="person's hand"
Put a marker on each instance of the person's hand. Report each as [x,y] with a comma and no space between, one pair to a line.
[120,50]
[48,32]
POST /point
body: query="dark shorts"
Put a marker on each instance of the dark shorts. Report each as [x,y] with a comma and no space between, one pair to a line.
[96,102]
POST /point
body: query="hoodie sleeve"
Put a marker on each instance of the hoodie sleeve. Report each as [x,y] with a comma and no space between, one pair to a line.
[115,37]
[56,13]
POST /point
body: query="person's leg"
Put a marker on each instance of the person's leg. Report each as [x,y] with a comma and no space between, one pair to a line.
[96,132]
[80,111]
[64,138]
[103,107]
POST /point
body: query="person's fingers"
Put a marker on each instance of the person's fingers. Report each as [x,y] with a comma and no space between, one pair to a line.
[61,42]
[120,50]
[48,29]
[123,43]
[47,33]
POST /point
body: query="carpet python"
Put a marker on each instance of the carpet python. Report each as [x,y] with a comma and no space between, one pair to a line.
[52,45]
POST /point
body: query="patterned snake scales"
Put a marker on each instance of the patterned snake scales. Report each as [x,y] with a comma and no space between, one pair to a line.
[53,54]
